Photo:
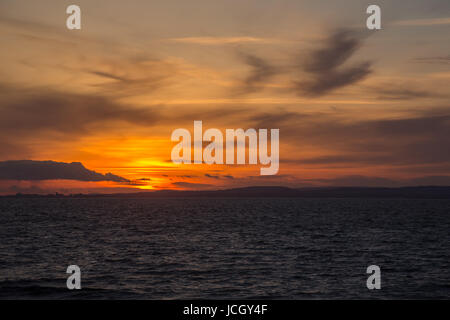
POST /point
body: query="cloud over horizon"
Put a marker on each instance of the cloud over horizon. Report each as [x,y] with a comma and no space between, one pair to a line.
[325,65]
[50,170]
[351,108]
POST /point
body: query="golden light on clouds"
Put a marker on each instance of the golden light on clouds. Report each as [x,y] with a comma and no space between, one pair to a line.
[110,95]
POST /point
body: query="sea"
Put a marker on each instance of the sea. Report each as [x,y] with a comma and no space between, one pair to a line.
[196,248]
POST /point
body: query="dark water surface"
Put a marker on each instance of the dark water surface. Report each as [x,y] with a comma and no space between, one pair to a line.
[224,248]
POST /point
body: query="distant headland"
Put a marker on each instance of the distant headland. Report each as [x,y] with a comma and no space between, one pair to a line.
[424,192]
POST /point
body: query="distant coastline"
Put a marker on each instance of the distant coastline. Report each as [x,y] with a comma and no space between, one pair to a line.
[421,192]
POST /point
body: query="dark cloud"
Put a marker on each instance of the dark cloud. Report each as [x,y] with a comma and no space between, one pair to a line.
[260,72]
[342,159]
[274,119]
[324,83]
[138,182]
[136,76]
[43,110]
[403,91]
[50,170]
[414,140]
[325,66]
[435,60]
[211,176]
[338,48]
[390,93]
[41,114]
[108,75]
[44,113]
[218,177]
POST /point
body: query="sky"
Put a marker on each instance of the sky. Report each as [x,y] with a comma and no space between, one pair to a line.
[93,110]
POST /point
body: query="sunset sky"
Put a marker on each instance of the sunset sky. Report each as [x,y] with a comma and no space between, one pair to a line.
[354,107]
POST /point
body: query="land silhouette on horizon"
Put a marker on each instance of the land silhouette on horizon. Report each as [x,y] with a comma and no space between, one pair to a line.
[419,192]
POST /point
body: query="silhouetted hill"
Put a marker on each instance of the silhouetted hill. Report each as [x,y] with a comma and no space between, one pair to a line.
[276,192]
